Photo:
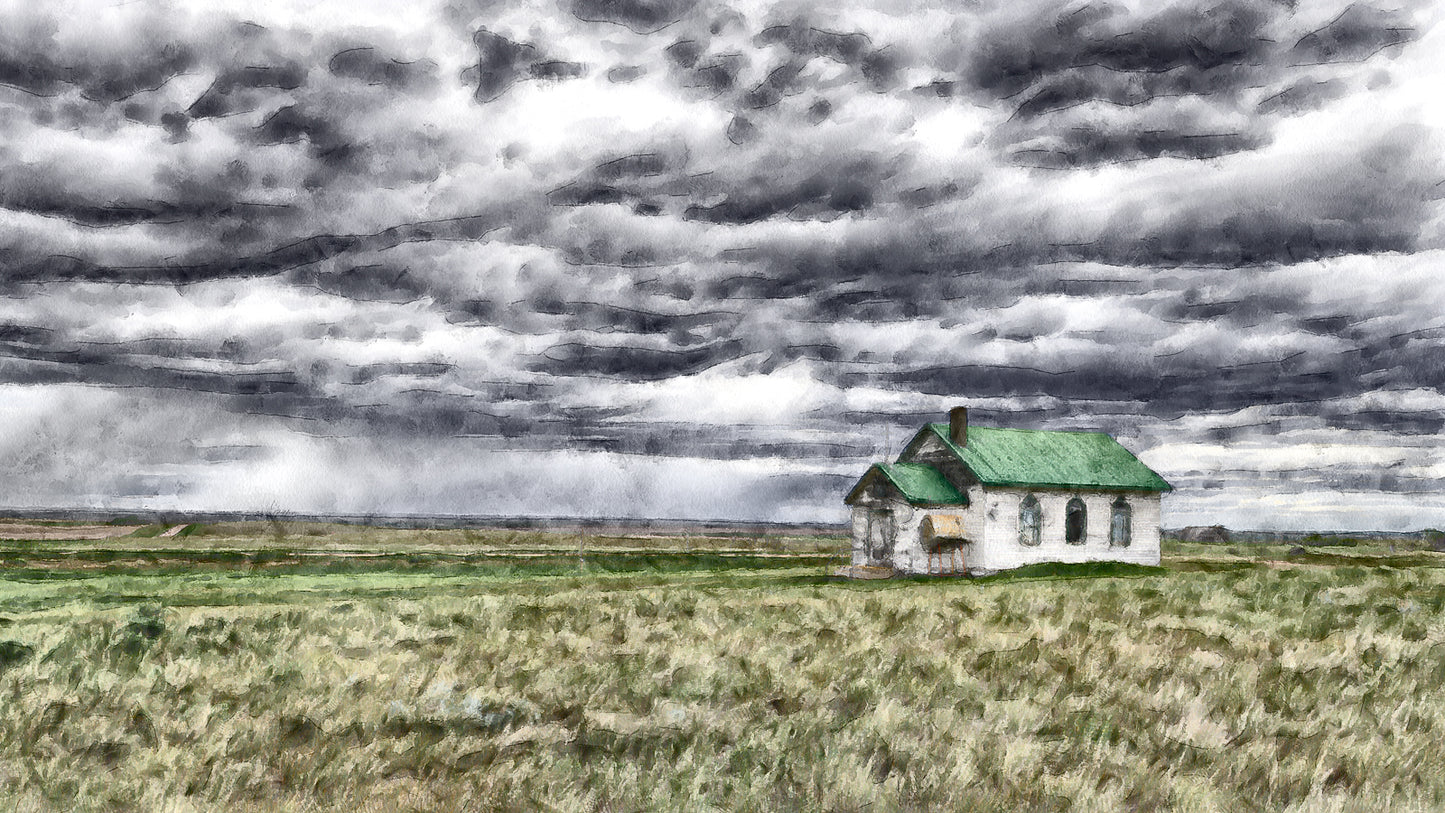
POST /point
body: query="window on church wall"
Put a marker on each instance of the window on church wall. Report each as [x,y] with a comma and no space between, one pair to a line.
[1120,522]
[1030,522]
[1075,522]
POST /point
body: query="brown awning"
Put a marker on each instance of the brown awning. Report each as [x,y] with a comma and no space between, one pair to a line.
[942,529]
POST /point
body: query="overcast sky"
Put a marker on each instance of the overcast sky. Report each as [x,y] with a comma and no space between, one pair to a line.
[680,258]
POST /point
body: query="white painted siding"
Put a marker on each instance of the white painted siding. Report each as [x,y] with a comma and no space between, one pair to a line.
[909,555]
[992,522]
[907,551]
[860,531]
[1001,549]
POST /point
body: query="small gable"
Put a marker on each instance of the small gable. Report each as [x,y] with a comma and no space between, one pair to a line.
[917,483]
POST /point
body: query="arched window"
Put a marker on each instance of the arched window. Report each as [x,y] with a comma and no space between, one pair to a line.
[1075,522]
[1030,522]
[1120,522]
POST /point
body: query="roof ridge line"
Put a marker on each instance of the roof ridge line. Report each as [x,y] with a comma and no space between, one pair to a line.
[944,424]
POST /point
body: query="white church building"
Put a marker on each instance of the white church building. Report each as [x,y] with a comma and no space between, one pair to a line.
[975,499]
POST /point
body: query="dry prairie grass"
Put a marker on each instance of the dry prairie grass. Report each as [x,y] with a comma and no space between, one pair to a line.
[724,688]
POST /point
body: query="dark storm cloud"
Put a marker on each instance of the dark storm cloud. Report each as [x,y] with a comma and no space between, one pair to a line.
[1175,386]
[685,53]
[632,362]
[366,283]
[1196,39]
[780,81]
[1361,479]
[741,130]
[722,443]
[802,38]
[32,62]
[18,195]
[642,16]
[718,72]
[1378,204]
[849,190]
[1303,96]
[876,66]
[557,69]
[1361,31]
[1099,54]
[307,252]
[1082,147]
[98,365]
[681,329]
[819,111]
[1072,87]
[229,94]
[501,62]
[716,75]
[372,66]
[292,123]
[622,74]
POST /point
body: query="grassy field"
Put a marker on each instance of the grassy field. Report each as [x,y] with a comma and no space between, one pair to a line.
[250,667]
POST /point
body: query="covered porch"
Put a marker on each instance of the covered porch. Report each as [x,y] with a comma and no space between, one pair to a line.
[947,545]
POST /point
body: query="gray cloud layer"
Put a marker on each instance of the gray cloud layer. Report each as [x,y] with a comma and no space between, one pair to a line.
[737,242]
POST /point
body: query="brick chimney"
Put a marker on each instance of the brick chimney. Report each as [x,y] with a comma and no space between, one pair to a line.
[958,426]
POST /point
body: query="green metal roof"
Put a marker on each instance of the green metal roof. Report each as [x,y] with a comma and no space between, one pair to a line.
[919,483]
[1027,457]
